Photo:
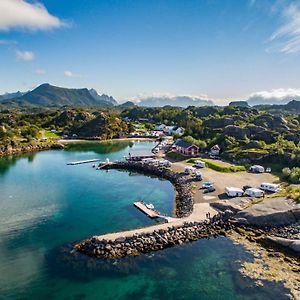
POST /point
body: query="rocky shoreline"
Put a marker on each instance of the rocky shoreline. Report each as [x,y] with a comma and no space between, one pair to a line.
[13,148]
[184,199]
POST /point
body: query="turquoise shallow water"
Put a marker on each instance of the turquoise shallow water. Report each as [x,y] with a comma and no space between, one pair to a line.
[46,205]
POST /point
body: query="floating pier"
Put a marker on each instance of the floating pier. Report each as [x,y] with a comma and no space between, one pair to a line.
[73,163]
[151,213]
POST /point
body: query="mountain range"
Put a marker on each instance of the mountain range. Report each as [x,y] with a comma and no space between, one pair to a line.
[47,95]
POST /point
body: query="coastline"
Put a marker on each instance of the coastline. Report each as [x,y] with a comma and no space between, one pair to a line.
[66,141]
[14,149]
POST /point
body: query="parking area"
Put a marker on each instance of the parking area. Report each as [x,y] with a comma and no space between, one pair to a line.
[223,180]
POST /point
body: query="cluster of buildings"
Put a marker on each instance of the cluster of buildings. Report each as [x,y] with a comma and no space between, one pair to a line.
[170,130]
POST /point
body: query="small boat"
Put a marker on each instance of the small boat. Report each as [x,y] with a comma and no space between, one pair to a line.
[150,206]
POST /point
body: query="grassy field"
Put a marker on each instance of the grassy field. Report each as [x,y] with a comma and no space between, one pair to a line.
[218,167]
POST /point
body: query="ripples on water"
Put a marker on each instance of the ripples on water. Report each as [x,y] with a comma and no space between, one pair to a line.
[46,205]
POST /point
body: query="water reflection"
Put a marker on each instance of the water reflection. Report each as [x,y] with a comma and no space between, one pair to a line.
[103,147]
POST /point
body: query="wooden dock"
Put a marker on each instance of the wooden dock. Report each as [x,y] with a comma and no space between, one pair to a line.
[151,213]
[79,162]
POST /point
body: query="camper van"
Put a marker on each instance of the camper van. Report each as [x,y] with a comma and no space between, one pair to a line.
[189,170]
[234,192]
[270,187]
[253,192]
[257,169]
[199,164]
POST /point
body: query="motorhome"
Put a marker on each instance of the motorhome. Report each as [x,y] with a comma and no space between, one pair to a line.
[189,170]
[199,164]
[253,192]
[270,187]
[257,169]
[234,192]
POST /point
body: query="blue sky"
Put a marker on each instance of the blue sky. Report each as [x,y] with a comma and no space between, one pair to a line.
[216,49]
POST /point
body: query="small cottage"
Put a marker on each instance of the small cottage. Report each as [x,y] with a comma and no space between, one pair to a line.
[215,150]
[186,148]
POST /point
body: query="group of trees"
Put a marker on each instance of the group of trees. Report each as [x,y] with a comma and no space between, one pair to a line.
[291,175]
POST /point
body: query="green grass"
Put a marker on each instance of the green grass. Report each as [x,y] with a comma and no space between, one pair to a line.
[51,135]
[219,167]
[291,192]
[175,156]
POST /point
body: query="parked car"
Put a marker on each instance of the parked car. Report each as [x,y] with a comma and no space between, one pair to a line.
[246,187]
[209,189]
[207,184]
[198,176]
[199,164]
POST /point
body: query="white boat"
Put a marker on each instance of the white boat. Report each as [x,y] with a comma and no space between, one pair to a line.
[150,206]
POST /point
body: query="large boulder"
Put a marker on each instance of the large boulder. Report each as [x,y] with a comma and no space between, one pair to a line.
[287,243]
[236,204]
[272,212]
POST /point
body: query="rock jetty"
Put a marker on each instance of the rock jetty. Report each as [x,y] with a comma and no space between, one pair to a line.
[157,240]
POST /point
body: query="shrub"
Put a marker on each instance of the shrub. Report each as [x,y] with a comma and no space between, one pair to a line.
[291,175]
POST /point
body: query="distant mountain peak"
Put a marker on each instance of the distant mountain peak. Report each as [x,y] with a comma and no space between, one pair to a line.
[102,97]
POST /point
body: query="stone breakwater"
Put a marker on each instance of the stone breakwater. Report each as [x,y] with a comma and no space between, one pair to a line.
[157,240]
[184,198]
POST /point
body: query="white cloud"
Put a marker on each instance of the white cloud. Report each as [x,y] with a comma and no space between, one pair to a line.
[276,96]
[25,55]
[40,72]
[22,14]
[287,36]
[162,99]
[71,74]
